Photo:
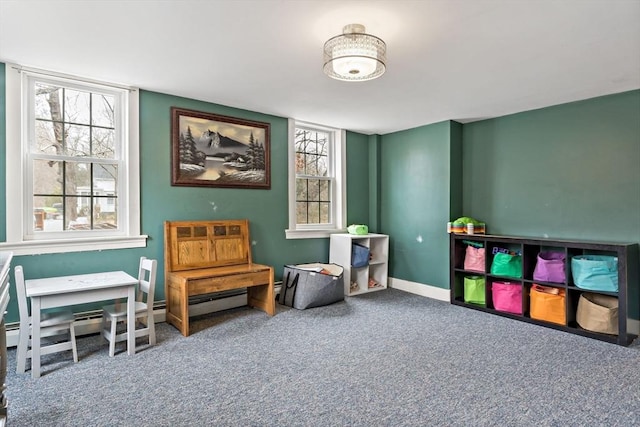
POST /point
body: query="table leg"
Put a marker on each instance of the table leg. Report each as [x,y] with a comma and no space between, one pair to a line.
[35,337]
[131,321]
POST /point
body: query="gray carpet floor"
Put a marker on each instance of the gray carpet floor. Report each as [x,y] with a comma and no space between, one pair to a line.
[384,359]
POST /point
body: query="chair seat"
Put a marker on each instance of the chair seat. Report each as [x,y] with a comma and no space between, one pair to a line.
[120,310]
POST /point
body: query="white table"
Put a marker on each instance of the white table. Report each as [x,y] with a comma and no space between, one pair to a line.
[80,289]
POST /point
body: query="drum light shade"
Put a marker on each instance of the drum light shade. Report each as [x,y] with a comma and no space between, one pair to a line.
[354,55]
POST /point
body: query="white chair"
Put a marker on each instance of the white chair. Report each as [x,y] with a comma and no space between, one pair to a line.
[52,324]
[143,307]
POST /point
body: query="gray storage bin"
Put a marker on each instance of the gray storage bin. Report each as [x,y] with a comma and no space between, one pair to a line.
[311,285]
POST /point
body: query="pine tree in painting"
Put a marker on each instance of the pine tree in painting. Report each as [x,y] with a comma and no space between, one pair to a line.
[251,153]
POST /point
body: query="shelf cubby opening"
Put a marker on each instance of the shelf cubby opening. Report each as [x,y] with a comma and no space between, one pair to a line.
[458,287]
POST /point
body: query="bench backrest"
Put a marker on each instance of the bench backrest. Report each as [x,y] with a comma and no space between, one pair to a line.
[190,245]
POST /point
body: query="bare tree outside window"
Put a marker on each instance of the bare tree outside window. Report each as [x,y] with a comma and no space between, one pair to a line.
[313,177]
[74,159]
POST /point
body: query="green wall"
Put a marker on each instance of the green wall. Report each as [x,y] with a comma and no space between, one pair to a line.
[419,192]
[266,209]
[569,171]
[357,178]
[375,182]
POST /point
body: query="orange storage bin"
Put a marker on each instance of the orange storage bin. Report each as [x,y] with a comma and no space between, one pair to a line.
[548,304]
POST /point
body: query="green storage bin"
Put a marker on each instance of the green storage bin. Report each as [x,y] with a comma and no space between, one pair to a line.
[507,265]
[474,290]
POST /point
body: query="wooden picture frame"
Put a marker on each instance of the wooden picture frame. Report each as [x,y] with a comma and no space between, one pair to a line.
[211,150]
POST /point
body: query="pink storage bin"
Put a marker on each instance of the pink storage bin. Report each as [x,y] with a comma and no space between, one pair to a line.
[474,259]
[507,296]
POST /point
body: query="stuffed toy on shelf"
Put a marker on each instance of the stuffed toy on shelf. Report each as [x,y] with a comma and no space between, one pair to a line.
[466,225]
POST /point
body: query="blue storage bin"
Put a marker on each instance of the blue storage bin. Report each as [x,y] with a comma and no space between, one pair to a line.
[359,255]
[595,272]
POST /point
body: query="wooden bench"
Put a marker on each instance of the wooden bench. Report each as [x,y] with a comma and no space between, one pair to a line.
[202,257]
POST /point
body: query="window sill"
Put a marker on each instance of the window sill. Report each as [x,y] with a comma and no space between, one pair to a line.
[74,245]
[312,234]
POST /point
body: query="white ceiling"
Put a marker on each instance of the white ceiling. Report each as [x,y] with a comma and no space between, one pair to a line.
[462,60]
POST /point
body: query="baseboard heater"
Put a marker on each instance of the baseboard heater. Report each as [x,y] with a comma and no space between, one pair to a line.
[88,322]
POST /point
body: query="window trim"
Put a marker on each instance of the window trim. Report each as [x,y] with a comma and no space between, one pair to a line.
[16,114]
[339,194]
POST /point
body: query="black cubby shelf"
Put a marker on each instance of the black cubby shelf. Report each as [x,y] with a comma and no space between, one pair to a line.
[628,278]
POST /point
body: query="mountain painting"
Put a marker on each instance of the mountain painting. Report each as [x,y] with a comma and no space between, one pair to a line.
[218,151]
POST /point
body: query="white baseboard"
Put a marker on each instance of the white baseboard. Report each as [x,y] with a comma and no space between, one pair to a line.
[633,325]
[217,305]
[91,324]
[421,289]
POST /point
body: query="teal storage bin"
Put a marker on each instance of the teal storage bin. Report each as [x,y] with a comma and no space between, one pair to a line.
[595,272]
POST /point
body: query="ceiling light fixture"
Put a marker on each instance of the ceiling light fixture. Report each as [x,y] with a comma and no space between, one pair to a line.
[355,56]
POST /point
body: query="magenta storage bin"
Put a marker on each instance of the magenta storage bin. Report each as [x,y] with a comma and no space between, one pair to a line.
[507,296]
[550,267]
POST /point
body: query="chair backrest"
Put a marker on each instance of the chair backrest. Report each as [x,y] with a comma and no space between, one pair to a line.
[5,267]
[147,280]
[21,293]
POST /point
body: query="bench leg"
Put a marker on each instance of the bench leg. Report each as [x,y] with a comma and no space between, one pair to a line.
[177,306]
[263,297]
[184,312]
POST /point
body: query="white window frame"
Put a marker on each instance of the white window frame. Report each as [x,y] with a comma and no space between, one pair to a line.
[337,157]
[20,240]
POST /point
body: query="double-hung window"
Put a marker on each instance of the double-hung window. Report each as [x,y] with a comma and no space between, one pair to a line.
[72,144]
[317,183]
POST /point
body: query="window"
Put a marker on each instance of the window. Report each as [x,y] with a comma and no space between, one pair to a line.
[317,182]
[74,145]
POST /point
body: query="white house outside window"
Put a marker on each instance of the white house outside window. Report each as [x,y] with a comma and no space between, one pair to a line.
[316,180]
[75,143]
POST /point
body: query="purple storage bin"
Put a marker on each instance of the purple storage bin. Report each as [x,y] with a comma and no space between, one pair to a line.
[550,267]
[507,296]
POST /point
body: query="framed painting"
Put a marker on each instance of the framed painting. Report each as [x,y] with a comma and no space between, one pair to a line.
[211,150]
